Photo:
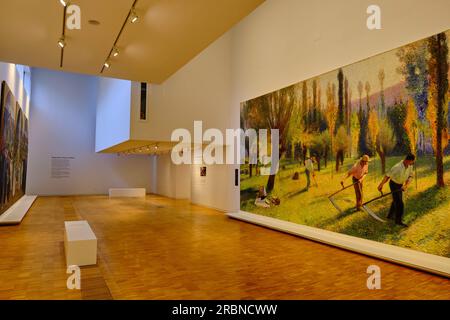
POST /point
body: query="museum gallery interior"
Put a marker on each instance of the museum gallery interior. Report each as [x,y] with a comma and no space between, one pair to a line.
[227,149]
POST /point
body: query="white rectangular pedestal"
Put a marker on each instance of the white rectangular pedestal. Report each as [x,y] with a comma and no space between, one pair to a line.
[80,244]
[127,192]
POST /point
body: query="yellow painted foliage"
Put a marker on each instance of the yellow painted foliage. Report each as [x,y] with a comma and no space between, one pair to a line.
[411,125]
[355,133]
[342,140]
[386,138]
[374,128]
[331,111]
[432,114]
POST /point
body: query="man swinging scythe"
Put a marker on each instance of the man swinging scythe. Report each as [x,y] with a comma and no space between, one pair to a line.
[399,177]
[358,172]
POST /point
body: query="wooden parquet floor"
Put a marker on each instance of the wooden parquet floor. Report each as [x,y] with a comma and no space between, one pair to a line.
[157,248]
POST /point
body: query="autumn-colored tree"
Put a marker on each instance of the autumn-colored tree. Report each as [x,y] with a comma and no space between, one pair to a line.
[385,143]
[277,108]
[349,119]
[304,106]
[373,129]
[310,112]
[367,87]
[298,133]
[331,111]
[296,124]
[341,144]
[314,105]
[341,117]
[438,99]
[414,69]
[355,127]
[411,125]
[381,77]
[319,104]
[360,91]
[319,145]
[326,141]
[396,115]
[251,119]
[346,106]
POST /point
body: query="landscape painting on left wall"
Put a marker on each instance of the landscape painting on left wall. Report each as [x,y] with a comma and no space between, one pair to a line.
[13,149]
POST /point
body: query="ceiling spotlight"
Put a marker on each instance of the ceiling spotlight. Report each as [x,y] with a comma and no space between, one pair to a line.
[62,42]
[156,147]
[134,17]
[115,52]
[63,2]
[107,64]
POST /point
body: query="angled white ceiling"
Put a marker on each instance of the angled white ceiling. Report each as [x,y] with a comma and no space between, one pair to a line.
[168,35]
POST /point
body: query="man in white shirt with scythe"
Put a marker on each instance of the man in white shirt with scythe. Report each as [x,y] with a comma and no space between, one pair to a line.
[399,177]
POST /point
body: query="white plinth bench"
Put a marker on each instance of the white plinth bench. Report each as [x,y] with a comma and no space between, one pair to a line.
[127,192]
[80,244]
[17,212]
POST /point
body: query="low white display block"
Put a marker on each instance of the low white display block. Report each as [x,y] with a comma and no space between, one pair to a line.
[127,192]
[80,244]
[411,258]
[16,213]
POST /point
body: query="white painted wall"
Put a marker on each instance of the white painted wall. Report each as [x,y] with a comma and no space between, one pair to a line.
[282,42]
[165,181]
[183,182]
[172,181]
[113,113]
[199,91]
[211,191]
[62,123]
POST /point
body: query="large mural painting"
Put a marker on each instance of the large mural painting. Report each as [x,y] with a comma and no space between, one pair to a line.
[13,149]
[363,149]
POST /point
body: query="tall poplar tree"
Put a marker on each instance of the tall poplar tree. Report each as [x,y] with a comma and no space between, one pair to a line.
[438,99]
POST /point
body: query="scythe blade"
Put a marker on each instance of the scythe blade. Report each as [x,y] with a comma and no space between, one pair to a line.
[373,214]
[335,204]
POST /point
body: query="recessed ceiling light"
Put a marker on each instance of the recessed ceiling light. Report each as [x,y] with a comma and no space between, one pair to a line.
[61,42]
[63,2]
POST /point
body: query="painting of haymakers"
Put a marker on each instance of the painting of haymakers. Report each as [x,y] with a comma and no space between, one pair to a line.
[11,150]
[20,152]
[23,153]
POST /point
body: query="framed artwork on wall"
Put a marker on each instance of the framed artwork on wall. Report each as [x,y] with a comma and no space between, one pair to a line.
[13,149]
[372,137]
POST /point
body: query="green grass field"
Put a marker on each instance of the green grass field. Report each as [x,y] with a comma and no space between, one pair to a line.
[427,208]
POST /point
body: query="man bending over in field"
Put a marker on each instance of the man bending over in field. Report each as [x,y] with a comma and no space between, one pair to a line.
[358,172]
